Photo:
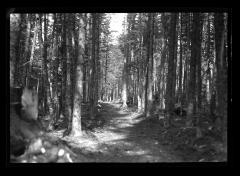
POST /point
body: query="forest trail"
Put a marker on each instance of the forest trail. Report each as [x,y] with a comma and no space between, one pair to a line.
[64,65]
[125,137]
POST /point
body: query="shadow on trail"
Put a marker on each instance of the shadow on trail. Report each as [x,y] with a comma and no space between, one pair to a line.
[128,137]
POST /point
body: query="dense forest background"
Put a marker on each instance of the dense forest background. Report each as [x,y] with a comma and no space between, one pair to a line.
[162,65]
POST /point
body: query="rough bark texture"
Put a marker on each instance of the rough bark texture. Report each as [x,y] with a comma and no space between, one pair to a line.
[221,66]
[93,67]
[170,74]
[195,37]
[149,62]
[76,121]
[199,66]
[180,64]
[16,79]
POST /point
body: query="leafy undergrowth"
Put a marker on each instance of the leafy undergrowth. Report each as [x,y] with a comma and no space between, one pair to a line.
[183,140]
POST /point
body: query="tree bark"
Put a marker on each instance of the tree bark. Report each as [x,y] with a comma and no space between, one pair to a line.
[180,64]
[221,66]
[170,74]
[93,67]
[194,55]
[26,47]
[16,73]
[199,66]
[124,87]
[78,91]
[149,71]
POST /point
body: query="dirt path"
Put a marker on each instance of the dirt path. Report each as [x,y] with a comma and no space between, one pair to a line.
[125,137]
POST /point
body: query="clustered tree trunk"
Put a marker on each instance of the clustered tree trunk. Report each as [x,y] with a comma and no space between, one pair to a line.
[176,65]
[161,59]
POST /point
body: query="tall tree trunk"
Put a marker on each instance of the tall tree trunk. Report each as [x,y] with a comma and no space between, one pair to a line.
[199,68]
[170,74]
[180,64]
[187,60]
[93,67]
[16,73]
[139,86]
[69,63]
[98,70]
[163,62]
[124,87]
[175,61]
[211,74]
[195,39]
[32,52]
[221,66]
[64,97]
[86,57]
[79,44]
[209,62]
[45,61]
[56,64]
[125,74]
[26,50]
[41,47]
[149,71]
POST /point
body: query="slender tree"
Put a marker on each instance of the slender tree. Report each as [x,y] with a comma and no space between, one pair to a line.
[221,68]
[194,55]
[149,69]
[170,88]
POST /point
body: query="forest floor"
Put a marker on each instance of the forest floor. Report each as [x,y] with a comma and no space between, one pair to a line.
[127,136]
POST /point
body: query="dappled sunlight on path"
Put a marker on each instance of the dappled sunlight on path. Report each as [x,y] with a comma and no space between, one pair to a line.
[124,138]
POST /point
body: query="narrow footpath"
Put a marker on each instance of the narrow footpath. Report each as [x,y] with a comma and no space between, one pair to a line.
[125,137]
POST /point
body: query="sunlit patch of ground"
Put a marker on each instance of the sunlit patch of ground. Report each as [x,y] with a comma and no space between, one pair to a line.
[120,140]
[127,136]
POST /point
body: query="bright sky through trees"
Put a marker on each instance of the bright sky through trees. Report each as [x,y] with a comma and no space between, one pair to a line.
[116,25]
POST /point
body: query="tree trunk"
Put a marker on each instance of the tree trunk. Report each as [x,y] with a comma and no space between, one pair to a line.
[199,68]
[68,72]
[64,50]
[221,81]
[175,62]
[80,44]
[16,73]
[98,70]
[170,74]
[56,65]
[45,60]
[124,87]
[26,50]
[180,64]
[140,70]
[93,67]
[149,71]
[32,52]
[195,37]
[163,63]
